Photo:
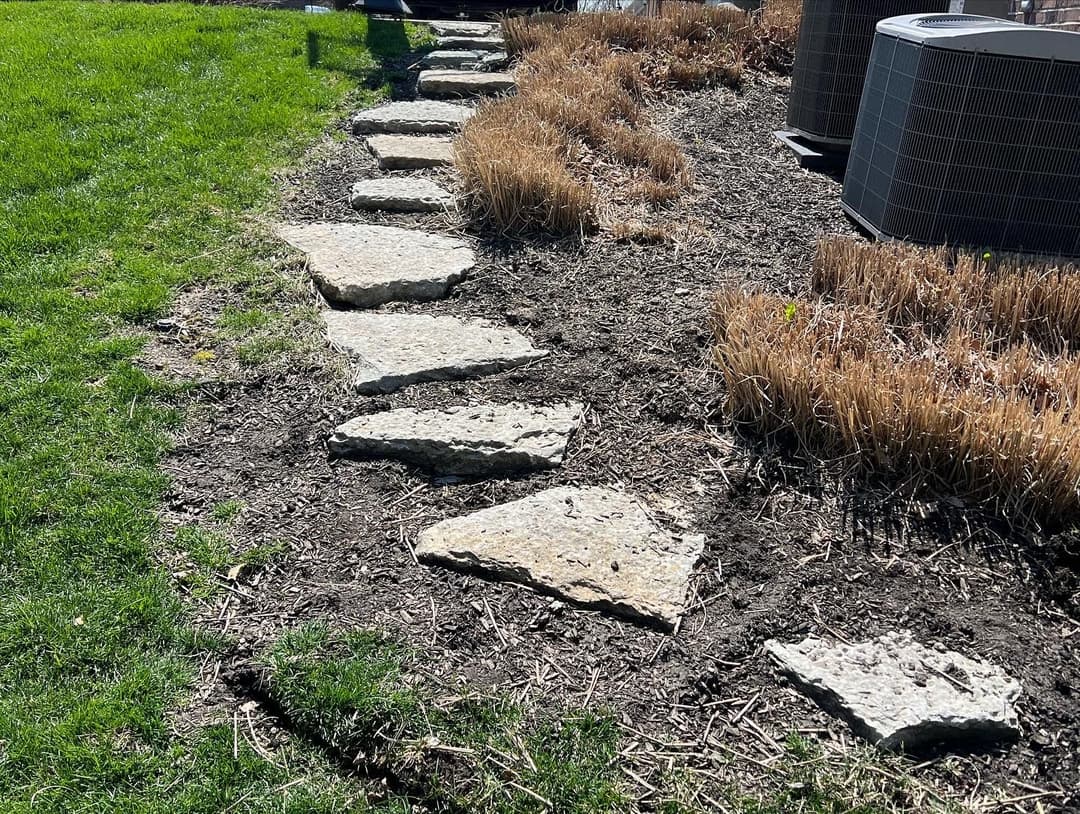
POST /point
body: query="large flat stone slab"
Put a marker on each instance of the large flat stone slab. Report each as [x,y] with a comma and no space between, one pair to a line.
[411,152]
[594,546]
[459,43]
[897,693]
[464,440]
[400,194]
[462,28]
[421,116]
[464,83]
[370,265]
[456,60]
[395,350]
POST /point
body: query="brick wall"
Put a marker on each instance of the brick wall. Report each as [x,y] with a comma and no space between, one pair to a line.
[1057,13]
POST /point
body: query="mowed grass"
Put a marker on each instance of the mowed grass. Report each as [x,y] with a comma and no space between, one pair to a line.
[135,143]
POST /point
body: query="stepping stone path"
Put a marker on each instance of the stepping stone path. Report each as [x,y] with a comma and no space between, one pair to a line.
[471,43]
[401,195]
[367,266]
[594,546]
[464,440]
[395,350]
[464,83]
[421,116]
[411,152]
[898,694]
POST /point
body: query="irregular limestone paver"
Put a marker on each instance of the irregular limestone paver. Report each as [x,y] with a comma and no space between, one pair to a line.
[464,83]
[461,28]
[455,59]
[421,116]
[897,693]
[471,43]
[464,440]
[401,194]
[395,152]
[371,265]
[395,350]
[595,546]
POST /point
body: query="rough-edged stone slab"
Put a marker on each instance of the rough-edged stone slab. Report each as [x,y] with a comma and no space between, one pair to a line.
[464,440]
[471,43]
[370,265]
[411,152]
[494,61]
[421,116]
[594,546]
[461,28]
[394,350]
[454,59]
[899,694]
[401,194]
[464,83]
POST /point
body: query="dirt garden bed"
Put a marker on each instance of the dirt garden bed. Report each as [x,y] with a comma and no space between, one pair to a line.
[793,548]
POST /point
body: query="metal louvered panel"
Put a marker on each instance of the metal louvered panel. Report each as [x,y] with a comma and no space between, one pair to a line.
[835,39]
[968,147]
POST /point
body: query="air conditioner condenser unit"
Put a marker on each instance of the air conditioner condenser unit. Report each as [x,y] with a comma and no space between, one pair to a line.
[968,133]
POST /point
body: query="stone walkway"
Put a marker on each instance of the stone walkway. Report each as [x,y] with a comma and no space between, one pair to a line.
[595,546]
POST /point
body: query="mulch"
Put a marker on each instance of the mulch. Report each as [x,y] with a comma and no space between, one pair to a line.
[793,549]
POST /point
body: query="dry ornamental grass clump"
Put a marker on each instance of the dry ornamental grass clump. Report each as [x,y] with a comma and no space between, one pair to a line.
[535,160]
[965,404]
[1008,297]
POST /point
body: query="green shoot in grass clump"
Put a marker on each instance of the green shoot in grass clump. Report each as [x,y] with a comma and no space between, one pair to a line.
[356,694]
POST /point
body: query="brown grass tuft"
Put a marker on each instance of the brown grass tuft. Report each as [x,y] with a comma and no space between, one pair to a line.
[577,120]
[950,406]
[1010,298]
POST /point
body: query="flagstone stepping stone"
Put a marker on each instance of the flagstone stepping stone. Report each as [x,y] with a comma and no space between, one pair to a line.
[421,116]
[461,28]
[395,350]
[594,546]
[401,194]
[395,152]
[897,693]
[454,59]
[367,266]
[454,43]
[464,83]
[464,440]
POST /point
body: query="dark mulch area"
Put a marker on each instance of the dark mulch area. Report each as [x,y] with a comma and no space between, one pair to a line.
[790,551]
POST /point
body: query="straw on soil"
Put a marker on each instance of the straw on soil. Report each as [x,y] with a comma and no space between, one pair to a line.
[954,409]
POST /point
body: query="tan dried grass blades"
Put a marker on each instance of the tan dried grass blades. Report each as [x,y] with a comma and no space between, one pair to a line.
[535,160]
[916,371]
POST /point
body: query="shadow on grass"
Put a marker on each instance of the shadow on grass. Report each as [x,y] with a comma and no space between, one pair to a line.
[386,40]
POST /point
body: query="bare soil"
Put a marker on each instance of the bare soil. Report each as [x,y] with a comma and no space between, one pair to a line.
[793,547]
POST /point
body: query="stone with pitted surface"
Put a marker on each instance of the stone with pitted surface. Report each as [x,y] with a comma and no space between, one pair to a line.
[391,351]
[897,693]
[462,28]
[595,546]
[411,152]
[473,440]
[464,83]
[370,265]
[455,43]
[421,116]
[456,60]
[400,194]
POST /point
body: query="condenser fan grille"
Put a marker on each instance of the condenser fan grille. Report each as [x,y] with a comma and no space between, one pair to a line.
[968,147]
[835,39]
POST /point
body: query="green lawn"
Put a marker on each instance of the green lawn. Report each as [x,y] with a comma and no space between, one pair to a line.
[134,142]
